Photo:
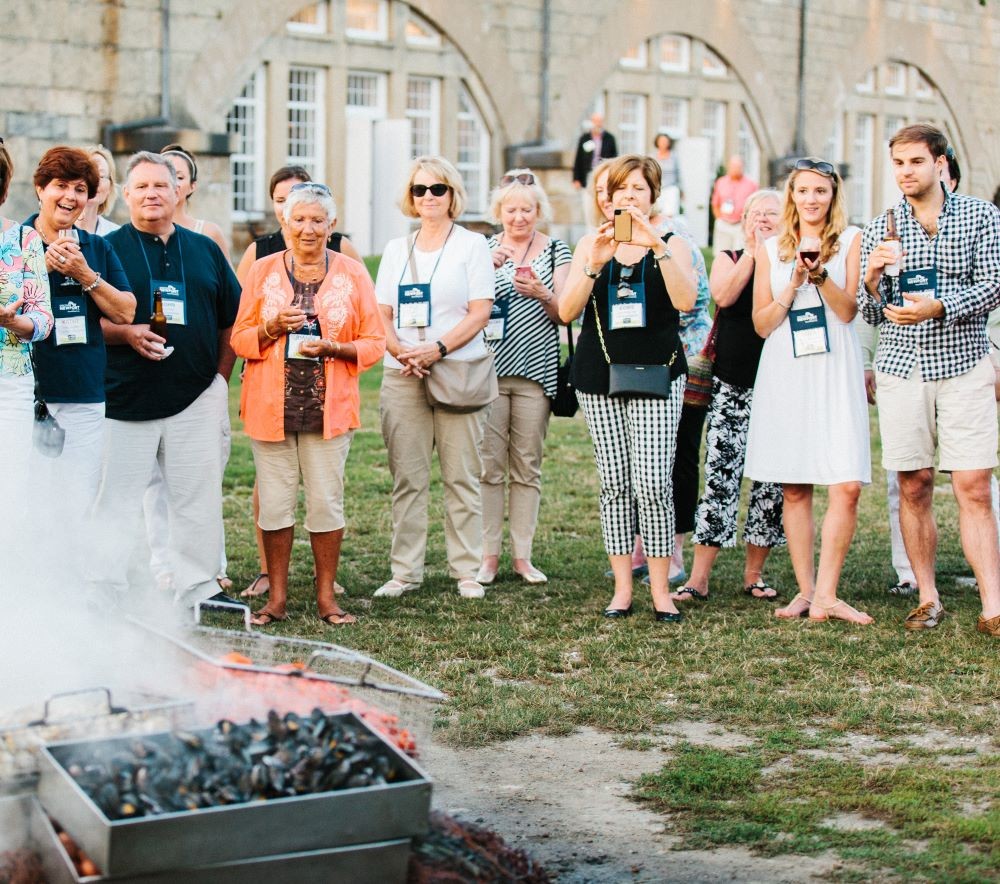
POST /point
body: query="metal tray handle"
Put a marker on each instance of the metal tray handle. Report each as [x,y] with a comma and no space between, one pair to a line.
[112,708]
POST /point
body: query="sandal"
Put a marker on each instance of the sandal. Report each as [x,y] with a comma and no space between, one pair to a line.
[689,591]
[803,613]
[225,584]
[761,586]
[827,615]
[266,618]
[338,618]
[254,591]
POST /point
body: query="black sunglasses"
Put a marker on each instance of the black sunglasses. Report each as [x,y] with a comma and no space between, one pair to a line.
[314,186]
[419,190]
[821,166]
[525,178]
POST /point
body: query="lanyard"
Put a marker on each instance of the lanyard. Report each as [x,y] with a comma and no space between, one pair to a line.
[628,276]
[149,269]
[409,258]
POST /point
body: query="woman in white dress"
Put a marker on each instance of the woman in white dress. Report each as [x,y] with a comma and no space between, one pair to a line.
[809,421]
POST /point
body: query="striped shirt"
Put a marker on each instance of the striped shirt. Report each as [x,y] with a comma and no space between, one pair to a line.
[530,345]
[966,254]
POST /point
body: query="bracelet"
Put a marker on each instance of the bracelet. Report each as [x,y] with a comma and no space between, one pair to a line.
[666,254]
[93,285]
[266,332]
[336,352]
[589,271]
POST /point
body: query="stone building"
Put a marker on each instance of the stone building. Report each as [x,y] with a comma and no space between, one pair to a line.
[352,88]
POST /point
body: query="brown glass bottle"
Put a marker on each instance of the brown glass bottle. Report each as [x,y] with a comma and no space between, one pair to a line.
[893,241]
[158,321]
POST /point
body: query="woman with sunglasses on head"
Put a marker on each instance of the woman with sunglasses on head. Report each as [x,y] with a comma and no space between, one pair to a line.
[809,419]
[435,292]
[631,291]
[530,270]
[308,326]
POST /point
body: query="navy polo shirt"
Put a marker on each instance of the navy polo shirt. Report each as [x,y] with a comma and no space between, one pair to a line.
[140,389]
[75,372]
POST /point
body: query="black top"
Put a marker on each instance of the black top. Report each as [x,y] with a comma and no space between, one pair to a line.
[140,389]
[271,243]
[737,344]
[75,372]
[652,345]
[584,160]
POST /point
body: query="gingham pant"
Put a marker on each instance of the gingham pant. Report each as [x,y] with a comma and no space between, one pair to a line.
[634,443]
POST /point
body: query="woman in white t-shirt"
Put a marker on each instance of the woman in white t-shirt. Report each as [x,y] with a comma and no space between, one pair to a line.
[435,293]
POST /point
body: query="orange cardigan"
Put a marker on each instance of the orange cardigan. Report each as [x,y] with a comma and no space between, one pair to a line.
[348,312]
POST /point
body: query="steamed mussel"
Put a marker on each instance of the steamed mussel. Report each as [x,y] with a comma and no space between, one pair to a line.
[281,757]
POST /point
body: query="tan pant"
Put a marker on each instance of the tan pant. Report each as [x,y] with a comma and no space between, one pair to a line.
[321,462]
[726,236]
[513,442]
[412,430]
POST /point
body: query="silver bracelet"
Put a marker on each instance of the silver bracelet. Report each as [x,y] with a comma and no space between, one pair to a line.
[93,285]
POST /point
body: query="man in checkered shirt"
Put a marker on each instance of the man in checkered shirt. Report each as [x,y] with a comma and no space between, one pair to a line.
[932,367]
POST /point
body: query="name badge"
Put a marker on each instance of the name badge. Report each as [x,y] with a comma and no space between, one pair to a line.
[920,283]
[174,300]
[70,315]
[496,328]
[809,334]
[294,341]
[627,307]
[727,207]
[414,305]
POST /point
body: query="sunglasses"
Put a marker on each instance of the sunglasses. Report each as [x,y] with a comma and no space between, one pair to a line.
[313,186]
[525,178]
[821,166]
[419,190]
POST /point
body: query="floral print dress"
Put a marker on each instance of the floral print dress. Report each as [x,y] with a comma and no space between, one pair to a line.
[23,275]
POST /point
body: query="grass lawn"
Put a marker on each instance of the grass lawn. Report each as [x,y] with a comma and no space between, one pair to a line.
[877,724]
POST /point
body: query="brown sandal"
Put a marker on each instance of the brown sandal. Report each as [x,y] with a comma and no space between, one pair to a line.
[254,590]
[338,618]
[266,618]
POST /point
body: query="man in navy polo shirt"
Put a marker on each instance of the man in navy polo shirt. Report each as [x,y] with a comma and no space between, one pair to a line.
[167,399]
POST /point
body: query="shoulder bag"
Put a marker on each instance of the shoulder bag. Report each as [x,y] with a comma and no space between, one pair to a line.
[564,403]
[701,368]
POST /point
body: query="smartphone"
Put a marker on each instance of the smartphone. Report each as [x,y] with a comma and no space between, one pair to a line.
[623,225]
[524,272]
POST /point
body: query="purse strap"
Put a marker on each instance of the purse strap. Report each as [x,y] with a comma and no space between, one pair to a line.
[552,276]
[600,335]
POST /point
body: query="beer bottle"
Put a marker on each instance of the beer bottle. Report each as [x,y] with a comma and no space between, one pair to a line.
[158,321]
[892,239]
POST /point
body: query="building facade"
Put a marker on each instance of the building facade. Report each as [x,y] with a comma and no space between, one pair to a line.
[338,84]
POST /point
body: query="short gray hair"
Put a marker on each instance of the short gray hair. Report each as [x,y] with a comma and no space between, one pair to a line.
[145,156]
[311,193]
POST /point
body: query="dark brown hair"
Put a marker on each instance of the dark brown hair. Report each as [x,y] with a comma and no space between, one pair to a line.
[6,171]
[177,150]
[921,133]
[624,166]
[68,164]
[287,173]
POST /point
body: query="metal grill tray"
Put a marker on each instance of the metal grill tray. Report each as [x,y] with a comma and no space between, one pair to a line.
[238,832]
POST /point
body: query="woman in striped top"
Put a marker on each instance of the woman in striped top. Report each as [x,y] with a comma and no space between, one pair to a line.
[524,334]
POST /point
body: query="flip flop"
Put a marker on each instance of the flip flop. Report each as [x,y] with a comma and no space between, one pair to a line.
[266,618]
[341,618]
[692,592]
[253,591]
[761,586]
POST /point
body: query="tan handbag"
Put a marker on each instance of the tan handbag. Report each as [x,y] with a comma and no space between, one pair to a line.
[462,385]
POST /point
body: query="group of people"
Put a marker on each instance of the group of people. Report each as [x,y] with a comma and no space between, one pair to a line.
[468,329]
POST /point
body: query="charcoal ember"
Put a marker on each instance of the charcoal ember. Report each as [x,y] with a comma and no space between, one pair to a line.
[233,763]
[21,867]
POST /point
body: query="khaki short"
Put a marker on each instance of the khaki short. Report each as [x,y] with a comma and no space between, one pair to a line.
[321,462]
[958,416]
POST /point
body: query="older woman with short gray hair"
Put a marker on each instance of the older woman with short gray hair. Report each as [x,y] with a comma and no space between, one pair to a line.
[530,269]
[308,326]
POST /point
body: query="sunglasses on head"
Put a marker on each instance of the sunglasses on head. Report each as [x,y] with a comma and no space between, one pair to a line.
[419,190]
[525,178]
[313,186]
[821,166]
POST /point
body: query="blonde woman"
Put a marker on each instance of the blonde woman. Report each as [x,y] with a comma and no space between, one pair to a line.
[809,420]
[435,293]
[530,269]
[94,217]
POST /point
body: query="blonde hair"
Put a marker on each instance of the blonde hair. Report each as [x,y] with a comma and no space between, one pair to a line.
[446,173]
[597,210]
[109,203]
[759,196]
[535,192]
[835,224]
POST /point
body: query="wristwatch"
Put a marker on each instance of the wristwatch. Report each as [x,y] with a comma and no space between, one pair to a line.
[442,349]
[589,271]
[819,278]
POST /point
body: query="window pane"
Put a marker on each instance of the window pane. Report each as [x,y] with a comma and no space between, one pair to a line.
[245,121]
[304,119]
[747,147]
[421,110]
[714,129]
[675,52]
[362,90]
[473,152]
[632,123]
[674,116]
[711,64]
[366,17]
[862,156]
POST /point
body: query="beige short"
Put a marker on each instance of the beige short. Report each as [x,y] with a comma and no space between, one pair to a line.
[958,416]
[321,463]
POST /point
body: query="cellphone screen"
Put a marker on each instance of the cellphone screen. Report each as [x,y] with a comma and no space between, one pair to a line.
[623,226]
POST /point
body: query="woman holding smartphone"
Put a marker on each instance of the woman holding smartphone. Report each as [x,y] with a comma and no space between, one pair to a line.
[809,419]
[631,286]
[530,270]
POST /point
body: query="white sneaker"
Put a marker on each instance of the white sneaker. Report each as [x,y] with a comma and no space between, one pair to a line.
[394,588]
[470,589]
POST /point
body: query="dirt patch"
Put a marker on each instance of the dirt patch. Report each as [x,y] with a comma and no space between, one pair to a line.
[705,733]
[852,822]
[564,800]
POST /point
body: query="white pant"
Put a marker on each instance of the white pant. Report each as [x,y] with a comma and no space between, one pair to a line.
[187,448]
[16,419]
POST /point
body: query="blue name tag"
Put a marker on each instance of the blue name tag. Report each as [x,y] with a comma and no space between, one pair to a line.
[627,305]
[174,300]
[496,328]
[809,334]
[920,283]
[70,315]
[414,305]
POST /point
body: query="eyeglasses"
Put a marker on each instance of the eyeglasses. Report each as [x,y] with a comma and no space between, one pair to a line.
[314,186]
[525,178]
[821,166]
[419,190]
